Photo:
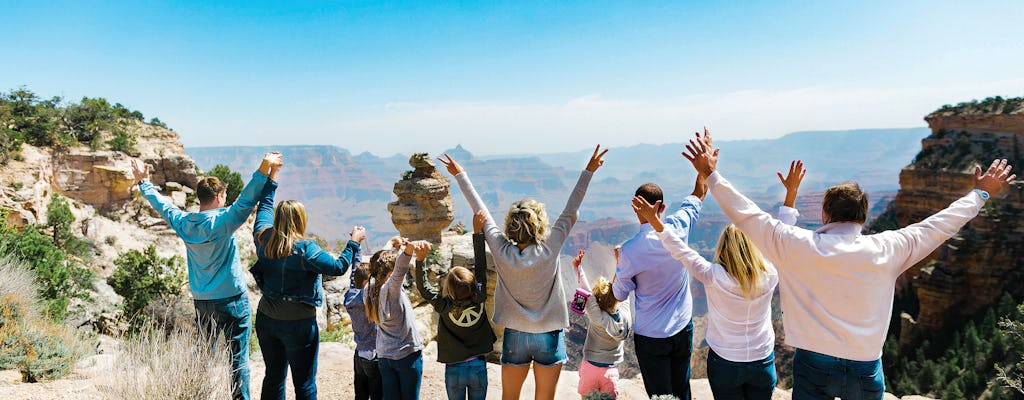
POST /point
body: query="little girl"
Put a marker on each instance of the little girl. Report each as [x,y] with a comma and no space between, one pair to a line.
[739,285]
[399,347]
[366,379]
[609,326]
[528,298]
[464,335]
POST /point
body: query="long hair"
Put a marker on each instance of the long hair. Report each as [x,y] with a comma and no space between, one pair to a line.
[527,222]
[740,258]
[289,227]
[602,292]
[381,265]
[460,287]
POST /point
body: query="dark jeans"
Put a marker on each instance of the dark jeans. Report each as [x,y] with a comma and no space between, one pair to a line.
[467,379]
[401,378]
[820,376]
[367,379]
[232,317]
[288,344]
[741,380]
[665,363]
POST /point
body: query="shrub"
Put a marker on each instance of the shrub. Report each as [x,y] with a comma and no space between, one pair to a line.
[48,263]
[59,219]
[36,347]
[232,179]
[142,277]
[123,142]
[179,365]
[336,333]
[598,395]
[157,122]
[85,120]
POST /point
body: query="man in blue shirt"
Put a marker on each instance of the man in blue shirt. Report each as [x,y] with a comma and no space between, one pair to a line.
[215,274]
[662,330]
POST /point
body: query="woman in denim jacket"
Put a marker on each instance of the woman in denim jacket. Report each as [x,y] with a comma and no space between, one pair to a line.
[288,273]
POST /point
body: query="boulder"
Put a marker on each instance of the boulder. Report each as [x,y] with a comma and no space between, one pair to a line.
[424,206]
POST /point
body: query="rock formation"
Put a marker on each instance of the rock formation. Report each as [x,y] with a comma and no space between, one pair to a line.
[424,206]
[972,270]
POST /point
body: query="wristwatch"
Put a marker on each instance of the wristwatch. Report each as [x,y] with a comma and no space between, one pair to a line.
[984,195]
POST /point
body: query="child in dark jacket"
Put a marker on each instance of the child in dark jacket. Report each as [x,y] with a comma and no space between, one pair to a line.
[367,373]
[464,335]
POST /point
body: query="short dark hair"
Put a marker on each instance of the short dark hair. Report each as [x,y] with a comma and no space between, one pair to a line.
[845,202]
[650,192]
[361,274]
[208,189]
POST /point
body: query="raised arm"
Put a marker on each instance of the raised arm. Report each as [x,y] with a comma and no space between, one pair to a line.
[168,211]
[480,256]
[581,277]
[495,238]
[787,212]
[563,225]
[918,240]
[617,325]
[265,210]
[322,262]
[239,211]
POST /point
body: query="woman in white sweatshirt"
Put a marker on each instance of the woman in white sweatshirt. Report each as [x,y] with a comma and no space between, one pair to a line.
[739,285]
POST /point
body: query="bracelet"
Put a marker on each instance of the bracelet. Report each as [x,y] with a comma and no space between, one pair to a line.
[984,195]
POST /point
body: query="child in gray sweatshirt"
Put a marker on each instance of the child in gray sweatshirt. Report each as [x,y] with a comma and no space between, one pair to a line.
[609,324]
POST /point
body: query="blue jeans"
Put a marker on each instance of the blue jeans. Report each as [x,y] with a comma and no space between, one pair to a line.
[819,376]
[232,317]
[401,378]
[287,344]
[467,379]
[519,348]
[665,362]
[741,380]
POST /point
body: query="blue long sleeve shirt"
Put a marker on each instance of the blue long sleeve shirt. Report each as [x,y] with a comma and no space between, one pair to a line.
[663,303]
[214,267]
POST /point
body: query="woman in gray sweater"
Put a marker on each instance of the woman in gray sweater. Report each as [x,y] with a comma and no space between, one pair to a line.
[529,300]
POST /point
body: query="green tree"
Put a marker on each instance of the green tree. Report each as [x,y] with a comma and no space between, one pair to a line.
[59,220]
[123,142]
[232,180]
[85,120]
[142,277]
[47,262]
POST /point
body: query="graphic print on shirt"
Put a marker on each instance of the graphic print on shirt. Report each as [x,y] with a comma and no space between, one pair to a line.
[468,317]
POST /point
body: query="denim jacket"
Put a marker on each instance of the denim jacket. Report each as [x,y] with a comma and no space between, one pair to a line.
[296,277]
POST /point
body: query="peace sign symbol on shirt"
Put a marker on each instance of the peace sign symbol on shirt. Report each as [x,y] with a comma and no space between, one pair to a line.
[469,316]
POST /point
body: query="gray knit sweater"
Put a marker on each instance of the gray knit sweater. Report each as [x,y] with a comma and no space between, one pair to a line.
[528,295]
[605,333]
[396,334]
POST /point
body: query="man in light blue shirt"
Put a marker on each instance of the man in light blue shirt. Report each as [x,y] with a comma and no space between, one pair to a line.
[215,274]
[662,330]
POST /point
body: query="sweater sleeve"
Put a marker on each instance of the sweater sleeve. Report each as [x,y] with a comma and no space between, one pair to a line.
[914,242]
[698,266]
[617,328]
[168,211]
[492,234]
[426,290]
[774,238]
[239,211]
[322,262]
[563,225]
[393,286]
[480,266]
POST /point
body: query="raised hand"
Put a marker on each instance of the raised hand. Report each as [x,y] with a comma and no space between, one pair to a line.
[421,247]
[140,170]
[396,242]
[358,234]
[270,160]
[703,158]
[453,167]
[648,212]
[596,160]
[577,261]
[995,179]
[479,220]
[706,139]
[792,181]
[616,251]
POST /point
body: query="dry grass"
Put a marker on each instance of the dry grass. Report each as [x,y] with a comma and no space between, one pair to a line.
[179,365]
[18,283]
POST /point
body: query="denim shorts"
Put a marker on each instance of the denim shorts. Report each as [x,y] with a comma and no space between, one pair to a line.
[520,348]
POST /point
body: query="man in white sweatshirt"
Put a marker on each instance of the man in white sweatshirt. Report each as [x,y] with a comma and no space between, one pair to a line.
[836,284]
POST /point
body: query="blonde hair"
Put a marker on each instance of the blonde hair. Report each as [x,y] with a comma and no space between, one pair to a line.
[527,222]
[381,265]
[602,292]
[740,258]
[289,227]
[459,287]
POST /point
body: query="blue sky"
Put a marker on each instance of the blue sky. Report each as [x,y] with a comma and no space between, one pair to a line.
[514,77]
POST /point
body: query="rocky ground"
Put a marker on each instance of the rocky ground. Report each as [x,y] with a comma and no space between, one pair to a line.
[91,381]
